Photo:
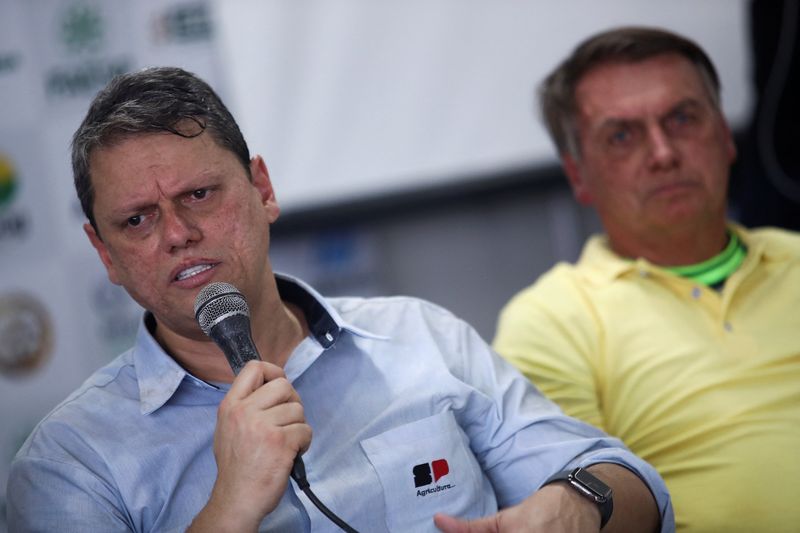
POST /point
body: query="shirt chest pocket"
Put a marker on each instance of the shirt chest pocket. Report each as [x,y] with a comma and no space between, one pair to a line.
[426,467]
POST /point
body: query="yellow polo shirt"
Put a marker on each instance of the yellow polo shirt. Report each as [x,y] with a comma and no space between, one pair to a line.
[704,385]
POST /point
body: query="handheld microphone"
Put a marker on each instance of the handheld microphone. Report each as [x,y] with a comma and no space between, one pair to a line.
[222,313]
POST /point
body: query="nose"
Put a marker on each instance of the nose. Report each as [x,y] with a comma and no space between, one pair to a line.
[178,230]
[663,152]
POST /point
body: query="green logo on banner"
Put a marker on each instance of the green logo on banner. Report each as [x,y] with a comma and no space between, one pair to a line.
[8,181]
[82,28]
[185,23]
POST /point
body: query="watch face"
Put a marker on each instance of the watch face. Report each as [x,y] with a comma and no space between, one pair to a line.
[592,483]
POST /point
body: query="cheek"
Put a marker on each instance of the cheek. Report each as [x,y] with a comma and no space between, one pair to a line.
[615,180]
[714,165]
[140,256]
[611,168]
[246,230]
[134,263]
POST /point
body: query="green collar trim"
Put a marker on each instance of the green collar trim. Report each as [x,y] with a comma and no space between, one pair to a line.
[718,268]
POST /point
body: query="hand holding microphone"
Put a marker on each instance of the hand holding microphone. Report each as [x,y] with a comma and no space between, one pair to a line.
[261,429]
[260,420]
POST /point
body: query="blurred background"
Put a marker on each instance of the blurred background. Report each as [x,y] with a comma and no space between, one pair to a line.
[402,138]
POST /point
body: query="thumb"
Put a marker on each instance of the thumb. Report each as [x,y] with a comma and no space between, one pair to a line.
[450,524]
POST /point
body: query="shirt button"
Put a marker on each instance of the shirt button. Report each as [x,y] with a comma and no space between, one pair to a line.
[728,326]
[696,292]
[644,273]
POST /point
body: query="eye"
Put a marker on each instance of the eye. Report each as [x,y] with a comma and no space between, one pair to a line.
[682,120]
[134,221]
[679,118]
[199,194]
[620,136]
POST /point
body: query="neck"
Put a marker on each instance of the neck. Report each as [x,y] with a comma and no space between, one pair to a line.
[277,328]
[279,332]
[674,248]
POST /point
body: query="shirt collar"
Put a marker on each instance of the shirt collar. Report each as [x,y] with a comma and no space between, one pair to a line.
[601,265]
[159,376]
[324,322]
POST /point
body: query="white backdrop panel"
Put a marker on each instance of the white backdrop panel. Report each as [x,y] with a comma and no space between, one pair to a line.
[356,98]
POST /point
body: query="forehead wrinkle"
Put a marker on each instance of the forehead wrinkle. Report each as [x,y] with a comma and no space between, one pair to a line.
[135,206]
[151,169]
[167,185]
[655,79]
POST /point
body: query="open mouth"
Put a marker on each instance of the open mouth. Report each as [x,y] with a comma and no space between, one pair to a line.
[192,271]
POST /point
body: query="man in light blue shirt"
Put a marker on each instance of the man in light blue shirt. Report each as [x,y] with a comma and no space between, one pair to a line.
[413,416]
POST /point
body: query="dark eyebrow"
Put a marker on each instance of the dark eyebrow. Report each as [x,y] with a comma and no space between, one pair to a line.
[200,182]
[687,104]
[130,210]
[612,123]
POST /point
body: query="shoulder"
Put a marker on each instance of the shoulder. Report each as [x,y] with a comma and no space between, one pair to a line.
[596,267]
[417,334]
[67,426]
[776,240]
[386,314]
[560,277]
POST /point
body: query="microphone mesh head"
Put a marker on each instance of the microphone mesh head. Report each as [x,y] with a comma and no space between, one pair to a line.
[216,301]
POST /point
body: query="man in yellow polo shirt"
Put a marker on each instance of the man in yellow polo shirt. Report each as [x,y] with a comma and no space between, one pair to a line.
[677,330]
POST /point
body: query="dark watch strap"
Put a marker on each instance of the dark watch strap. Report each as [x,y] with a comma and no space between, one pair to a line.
[589,486]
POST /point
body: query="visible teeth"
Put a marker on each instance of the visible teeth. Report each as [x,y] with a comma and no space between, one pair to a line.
[193,271]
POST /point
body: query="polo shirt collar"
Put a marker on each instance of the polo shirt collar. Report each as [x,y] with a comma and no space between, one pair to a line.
[159,376]
[601,265]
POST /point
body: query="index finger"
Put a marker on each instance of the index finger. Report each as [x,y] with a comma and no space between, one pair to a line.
[254,375]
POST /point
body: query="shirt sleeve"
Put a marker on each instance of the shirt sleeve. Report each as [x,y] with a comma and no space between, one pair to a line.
[48,495]
[550,333]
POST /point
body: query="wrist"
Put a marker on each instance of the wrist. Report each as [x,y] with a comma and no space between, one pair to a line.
[220,515]
[589,489]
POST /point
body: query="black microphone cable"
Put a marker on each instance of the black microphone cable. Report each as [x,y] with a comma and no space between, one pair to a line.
[299,475]
[223,314]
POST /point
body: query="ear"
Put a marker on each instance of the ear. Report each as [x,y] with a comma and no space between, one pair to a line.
[577,180]
[102,251]
[262,183]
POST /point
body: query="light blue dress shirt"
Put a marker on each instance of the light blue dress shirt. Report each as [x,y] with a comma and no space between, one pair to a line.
[412,414]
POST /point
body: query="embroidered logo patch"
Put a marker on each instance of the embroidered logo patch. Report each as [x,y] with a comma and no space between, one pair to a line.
[429,473]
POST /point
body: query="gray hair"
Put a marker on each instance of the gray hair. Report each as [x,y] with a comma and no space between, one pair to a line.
[160,99]
[621,45]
